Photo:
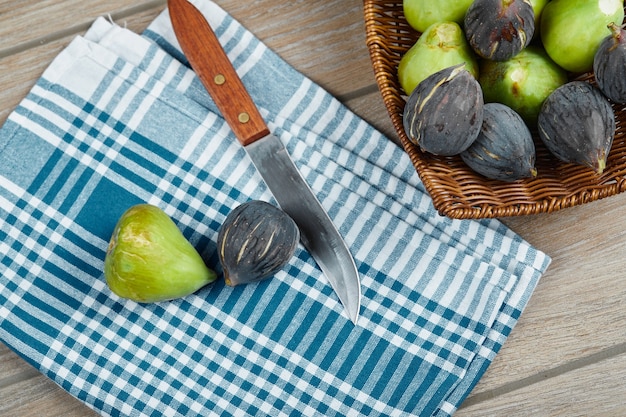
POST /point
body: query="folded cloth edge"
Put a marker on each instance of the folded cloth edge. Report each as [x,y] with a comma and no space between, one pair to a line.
[531,291]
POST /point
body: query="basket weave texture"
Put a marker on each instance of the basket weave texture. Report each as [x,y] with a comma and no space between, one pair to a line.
[456,190]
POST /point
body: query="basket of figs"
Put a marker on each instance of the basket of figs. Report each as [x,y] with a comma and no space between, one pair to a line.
[505,107]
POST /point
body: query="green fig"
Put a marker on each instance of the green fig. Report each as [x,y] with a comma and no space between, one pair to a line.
[441,46]
[149,260]
[420,14]
[522,82]
[572,30]
[538,6]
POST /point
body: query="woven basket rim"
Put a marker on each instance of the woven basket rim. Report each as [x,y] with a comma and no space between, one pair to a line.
[456,190]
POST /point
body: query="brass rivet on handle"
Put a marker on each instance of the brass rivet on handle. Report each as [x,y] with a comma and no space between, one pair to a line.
[219,79]
[243,117]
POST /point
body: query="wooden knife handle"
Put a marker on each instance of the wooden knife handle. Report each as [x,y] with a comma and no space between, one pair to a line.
[211,64]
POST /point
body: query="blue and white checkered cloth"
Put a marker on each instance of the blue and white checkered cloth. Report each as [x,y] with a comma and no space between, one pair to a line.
[118,119]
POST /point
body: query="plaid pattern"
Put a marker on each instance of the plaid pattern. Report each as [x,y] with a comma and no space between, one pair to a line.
[119,119]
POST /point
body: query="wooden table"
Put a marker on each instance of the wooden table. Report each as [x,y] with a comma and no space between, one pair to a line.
[567,355]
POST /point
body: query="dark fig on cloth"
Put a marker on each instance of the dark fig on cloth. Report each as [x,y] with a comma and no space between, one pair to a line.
[609,65]
[444,113]
[499,29]
[255,241]
[577,124]
[504,149]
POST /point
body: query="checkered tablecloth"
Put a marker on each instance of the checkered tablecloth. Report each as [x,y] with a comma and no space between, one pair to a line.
[118,119]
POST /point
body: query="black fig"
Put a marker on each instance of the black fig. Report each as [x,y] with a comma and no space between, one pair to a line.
[255,241]
[499,29]
[444,112]
[609,65]
[504,149]
[577,124]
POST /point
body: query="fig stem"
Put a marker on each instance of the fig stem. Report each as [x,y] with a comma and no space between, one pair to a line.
[617,32]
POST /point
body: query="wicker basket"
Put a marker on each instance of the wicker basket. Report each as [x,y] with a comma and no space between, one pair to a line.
[456,190]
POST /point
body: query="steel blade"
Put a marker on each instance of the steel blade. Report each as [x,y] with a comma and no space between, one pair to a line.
[318,233]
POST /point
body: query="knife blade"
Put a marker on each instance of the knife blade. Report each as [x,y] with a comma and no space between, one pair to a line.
[268,154]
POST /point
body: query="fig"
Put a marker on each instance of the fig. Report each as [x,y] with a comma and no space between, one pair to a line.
[441,46]
[522,82]
[504,149]
[572,30]
[499,29]
[444,113]
[255,241]
[538,6]
[420,14]
[609,65]
[150,260]
[577,124]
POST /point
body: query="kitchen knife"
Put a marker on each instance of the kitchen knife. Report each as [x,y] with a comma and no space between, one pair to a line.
[318,234]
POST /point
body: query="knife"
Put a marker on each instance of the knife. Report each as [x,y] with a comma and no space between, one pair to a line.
[268,154]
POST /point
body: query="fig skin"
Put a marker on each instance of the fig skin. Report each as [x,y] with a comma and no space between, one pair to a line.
[444,113]
[609,65]
[149,260]
[420,14]
[504,149]
[577,125]
[441,46]
[499,29]
[571,30]
[522,82]
[538,6]
[255,241]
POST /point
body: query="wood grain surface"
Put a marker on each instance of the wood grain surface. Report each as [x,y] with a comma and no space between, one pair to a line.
[567,355]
